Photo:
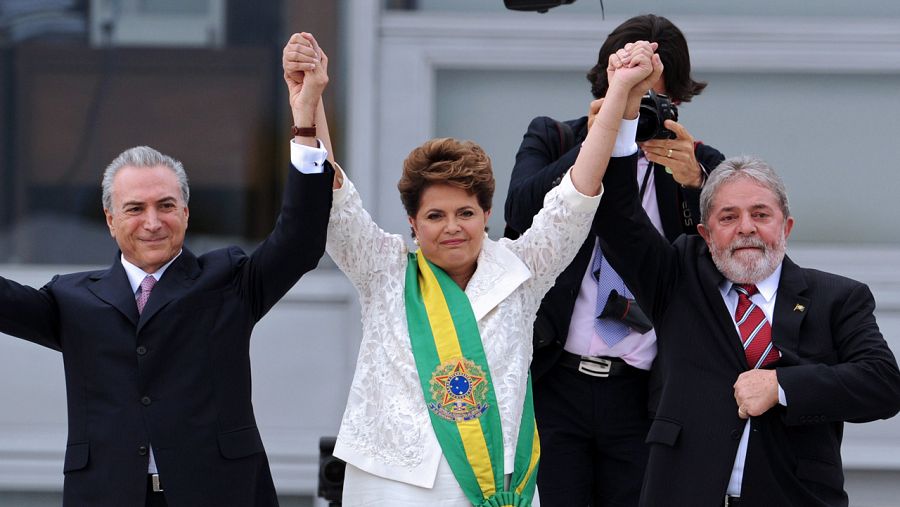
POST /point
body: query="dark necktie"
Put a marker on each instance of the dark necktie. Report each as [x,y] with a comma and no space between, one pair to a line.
[756,333]
[146,286]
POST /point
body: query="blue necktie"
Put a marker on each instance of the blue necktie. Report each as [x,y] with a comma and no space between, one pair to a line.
[611,331]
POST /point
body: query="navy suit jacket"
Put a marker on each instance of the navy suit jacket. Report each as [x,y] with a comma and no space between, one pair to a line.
[178,375]
[835,367]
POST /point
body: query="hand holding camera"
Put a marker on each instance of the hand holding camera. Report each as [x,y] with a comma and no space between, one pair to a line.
[655,109]
[667,142]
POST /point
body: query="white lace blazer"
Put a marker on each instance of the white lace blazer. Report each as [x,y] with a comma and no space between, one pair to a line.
[386,428]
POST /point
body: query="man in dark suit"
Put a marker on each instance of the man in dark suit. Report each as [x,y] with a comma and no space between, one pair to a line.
[156,347]
[763,360]
[591,388]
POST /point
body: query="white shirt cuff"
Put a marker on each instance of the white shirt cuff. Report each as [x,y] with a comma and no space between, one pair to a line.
[625,144]
[577,200]
[782,398]
[308,160]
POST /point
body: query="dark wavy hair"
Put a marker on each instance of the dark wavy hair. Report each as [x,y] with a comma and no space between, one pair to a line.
[462,164]
[673,51]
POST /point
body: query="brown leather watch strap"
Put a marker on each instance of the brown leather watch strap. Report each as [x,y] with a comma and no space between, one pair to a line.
[303,131]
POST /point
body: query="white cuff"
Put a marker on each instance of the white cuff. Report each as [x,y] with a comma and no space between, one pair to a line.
[782,398]
[306,159]
[577,200]
[625,144]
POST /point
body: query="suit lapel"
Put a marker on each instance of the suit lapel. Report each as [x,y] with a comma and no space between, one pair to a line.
[112,286]
[710,278]
[174,284]
[790,307]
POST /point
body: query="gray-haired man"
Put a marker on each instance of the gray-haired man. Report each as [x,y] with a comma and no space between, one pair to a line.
[156,347]
[763,360]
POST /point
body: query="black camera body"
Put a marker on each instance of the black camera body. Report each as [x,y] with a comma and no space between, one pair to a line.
[331,473]
[626,311]
[656,108]
[534,5]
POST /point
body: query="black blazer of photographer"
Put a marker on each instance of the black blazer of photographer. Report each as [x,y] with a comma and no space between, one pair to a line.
[549,148]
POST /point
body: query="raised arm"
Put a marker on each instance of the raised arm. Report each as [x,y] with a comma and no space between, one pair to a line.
[297,241]
[355,242]
[306,75]
[631,71]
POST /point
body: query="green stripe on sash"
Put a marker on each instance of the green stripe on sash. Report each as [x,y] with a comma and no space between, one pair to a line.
[458,389]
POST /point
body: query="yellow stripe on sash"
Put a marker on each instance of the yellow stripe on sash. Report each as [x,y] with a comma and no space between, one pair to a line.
[477,452]
[445,339]
[447,344]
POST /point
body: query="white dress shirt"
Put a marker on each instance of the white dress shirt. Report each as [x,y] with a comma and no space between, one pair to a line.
[136,275]
[636,349]
[765,300]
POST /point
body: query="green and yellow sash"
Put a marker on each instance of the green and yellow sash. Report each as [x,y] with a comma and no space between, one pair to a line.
[458,390]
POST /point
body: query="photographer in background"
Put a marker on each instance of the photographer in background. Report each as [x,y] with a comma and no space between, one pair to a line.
[593,346]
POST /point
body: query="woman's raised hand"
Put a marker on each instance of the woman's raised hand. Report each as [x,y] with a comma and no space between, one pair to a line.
[632,64]
[636,67]
[305,70]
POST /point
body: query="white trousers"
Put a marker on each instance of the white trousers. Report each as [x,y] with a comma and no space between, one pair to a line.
[362,489]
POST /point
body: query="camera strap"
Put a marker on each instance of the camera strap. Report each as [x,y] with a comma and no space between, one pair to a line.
[650,167]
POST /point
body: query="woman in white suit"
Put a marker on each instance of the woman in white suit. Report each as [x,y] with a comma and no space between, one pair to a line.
[440,411]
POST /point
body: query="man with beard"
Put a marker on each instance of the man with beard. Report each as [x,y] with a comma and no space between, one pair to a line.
[763,360]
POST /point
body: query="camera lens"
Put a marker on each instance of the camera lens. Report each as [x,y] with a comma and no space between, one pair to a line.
[656,108]
[648,123]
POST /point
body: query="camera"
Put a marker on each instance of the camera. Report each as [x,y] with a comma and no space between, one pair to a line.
[656,108]
[626,311]
[331,473]
[534,5]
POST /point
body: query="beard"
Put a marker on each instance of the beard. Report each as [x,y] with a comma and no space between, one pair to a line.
[748,266]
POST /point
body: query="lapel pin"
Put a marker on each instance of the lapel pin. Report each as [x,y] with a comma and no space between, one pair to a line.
[799,308]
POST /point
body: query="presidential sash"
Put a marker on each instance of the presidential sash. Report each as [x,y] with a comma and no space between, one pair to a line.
[459,392]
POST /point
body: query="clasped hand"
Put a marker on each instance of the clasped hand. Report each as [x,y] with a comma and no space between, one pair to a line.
[636,67]
[305,70]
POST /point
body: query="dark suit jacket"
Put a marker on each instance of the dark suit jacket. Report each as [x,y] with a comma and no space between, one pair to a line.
[177,376]
[540,164]
[835,367]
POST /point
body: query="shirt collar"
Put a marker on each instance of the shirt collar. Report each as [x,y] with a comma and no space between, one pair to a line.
[136,275]
[767,287]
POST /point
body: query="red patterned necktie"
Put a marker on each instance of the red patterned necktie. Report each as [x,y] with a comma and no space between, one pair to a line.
[146,286]
[756,333]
